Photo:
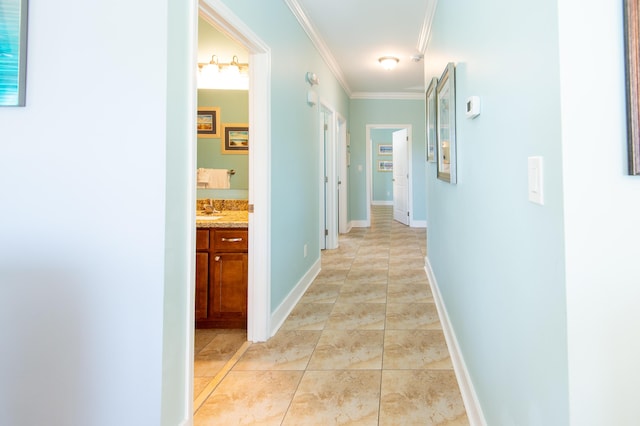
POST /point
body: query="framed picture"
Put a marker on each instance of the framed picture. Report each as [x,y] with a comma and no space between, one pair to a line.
[632,50]
[235,138]
[430,96]
[385,149]
[208,122]
[385,166]
[446,124]
[13,52]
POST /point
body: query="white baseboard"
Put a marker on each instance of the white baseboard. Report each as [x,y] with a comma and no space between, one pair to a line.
[418,224]
[360,223]
[469,396]
[381,203]
[282,312]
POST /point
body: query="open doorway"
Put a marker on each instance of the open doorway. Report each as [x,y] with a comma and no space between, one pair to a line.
[329,178]
[389,172]
[258,311]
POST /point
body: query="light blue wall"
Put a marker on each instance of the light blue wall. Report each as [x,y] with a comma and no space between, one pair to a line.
[234,108]
[295,145]
[499,259]
[381,182]
[392,112]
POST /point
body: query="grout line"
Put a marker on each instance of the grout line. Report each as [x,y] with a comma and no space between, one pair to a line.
[213,384]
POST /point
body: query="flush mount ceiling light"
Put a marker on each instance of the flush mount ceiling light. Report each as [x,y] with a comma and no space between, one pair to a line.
[388,62]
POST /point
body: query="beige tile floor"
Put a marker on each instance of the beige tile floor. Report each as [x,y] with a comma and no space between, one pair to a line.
[364,346]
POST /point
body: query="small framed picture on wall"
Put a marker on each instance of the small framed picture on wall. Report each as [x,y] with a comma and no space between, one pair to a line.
[235,138]
[208,123]
[385,166]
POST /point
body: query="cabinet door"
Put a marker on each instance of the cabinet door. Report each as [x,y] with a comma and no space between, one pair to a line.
[228,295]
[202,284]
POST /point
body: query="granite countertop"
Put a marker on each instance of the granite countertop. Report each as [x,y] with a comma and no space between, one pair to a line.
[224,219]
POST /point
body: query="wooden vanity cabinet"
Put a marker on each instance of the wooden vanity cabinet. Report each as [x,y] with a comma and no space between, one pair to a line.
[221,278]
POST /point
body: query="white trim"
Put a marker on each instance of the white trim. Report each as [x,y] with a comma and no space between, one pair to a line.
[259,286]
[418,224]
[318,42]
[349,227]
[343,187]
[281,313]
[425,32]
[328,165]
[403,96]
[360,223]
[469,396]
[381,203]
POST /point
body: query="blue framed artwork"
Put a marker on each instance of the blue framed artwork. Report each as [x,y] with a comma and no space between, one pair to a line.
[13,52]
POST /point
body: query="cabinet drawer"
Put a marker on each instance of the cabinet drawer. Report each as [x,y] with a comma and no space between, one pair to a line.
[202,239]
[230,240]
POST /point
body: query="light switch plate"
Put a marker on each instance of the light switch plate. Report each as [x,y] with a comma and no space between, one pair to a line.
[536,180]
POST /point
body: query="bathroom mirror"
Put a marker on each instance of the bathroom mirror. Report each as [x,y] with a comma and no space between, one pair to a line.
[232,106]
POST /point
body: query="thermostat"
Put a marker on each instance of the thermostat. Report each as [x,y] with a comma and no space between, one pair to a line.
[473,107]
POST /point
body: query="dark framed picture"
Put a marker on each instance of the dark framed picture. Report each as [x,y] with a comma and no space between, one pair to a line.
[446,124]
[235,138]
[208,122]
[430,97]
[13,52]
[632,52]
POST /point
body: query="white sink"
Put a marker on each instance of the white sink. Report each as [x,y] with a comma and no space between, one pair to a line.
[208,217]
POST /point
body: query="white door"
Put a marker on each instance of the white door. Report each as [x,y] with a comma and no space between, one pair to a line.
[400,177]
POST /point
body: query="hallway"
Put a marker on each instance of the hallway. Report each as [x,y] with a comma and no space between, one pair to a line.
[364,346]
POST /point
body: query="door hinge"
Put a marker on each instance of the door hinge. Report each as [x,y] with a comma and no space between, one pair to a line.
[407,138]
[326,232]
[326,126]
[250,208]
[326,179]
[407,213]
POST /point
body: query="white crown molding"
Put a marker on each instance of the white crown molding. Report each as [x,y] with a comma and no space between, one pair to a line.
[319,43]
[388,95]
[425,32]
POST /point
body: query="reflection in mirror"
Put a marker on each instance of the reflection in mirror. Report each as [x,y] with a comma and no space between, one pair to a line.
[233,105]
[234,108]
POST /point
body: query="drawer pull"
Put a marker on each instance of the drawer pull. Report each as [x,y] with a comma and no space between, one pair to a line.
[231,240]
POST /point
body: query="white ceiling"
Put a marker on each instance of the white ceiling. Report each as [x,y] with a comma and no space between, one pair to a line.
[353,34]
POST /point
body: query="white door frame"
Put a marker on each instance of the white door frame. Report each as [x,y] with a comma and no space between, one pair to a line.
[343,182]
[259,286]
[328,201]
[369,163]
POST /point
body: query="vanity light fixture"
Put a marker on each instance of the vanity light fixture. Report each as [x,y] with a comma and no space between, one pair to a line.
[388,62]
[223,75]
[234,66]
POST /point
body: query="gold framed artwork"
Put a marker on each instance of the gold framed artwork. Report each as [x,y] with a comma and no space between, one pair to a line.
[632,60]
[385,166]
[208,122]
[235,138]
[385,149]
[446,124]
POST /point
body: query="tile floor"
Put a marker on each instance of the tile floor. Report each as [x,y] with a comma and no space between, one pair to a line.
[364,346]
